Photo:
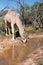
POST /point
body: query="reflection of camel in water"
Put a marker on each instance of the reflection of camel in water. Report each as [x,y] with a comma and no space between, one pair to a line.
[13,18]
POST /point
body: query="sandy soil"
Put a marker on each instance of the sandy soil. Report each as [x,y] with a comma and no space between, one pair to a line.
[17,53]
[35,36]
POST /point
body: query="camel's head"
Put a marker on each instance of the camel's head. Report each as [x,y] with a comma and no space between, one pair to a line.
[25,40]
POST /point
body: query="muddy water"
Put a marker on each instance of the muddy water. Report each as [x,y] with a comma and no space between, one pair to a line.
[18,52]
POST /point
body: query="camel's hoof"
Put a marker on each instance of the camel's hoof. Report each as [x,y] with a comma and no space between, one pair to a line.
[6,35]
[12,39]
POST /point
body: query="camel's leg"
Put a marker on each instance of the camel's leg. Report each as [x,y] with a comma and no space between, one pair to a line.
[9,30]
[21,29]
[6,27]
[12,26]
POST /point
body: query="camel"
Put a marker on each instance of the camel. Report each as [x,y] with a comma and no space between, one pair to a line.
[13,18]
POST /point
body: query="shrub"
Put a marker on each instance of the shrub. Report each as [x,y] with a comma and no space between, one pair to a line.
[30,29]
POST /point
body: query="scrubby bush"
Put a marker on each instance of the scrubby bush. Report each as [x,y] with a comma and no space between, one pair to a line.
[30,29]
[2,26]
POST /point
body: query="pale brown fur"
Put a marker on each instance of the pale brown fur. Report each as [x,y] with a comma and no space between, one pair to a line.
[13,18]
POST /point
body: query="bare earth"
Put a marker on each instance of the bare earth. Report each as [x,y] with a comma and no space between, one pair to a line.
[35,36]
[18,53]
